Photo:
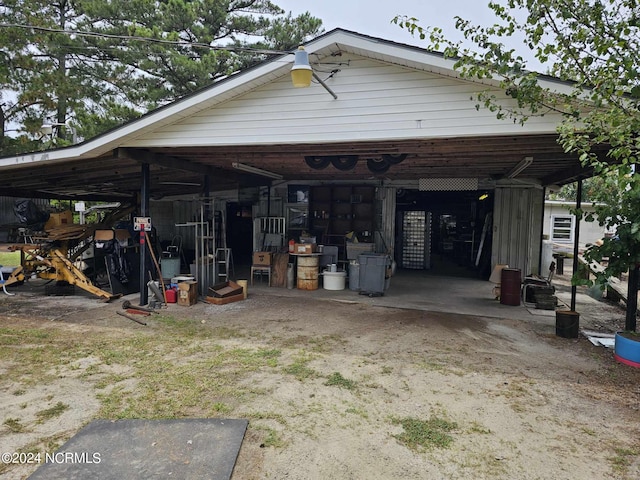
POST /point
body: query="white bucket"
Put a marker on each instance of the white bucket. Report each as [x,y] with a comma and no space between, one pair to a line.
[333,280]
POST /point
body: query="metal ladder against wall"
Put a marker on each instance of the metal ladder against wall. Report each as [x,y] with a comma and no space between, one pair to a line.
[224,261]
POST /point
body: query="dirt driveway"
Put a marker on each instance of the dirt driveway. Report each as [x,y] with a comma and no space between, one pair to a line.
[332,389]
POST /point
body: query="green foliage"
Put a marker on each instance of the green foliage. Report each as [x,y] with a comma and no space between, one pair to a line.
[97,64]
[594,47]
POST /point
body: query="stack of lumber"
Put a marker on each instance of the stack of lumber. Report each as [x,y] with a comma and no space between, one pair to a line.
[66,232]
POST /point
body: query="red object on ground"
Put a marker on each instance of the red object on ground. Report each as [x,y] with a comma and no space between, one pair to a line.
[171,295]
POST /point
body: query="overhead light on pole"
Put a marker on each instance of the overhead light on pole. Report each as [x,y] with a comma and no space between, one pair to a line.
[256,171]
[47,129]
[301,72]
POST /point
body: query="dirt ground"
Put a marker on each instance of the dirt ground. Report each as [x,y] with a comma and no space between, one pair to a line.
[521,403]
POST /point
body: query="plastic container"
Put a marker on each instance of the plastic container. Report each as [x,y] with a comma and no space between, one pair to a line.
[171,295]
[373,268]
[333,280]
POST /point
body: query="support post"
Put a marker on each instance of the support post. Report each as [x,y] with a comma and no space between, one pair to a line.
[144,212]
[630,323]
[576,249]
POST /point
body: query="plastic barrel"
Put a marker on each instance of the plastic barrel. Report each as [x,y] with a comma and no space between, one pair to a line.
[567,323]
[510,280]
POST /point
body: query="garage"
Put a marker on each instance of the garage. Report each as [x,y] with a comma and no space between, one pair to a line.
[389,150]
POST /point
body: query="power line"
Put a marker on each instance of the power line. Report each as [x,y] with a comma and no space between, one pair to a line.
[178,43]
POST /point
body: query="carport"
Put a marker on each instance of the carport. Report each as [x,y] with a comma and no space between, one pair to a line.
[403,123]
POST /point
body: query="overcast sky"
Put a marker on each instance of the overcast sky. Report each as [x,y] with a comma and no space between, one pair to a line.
[373,17]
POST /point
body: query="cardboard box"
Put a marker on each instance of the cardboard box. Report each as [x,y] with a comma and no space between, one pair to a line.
[59,219]
[225,300]
[262,258]
[226,289]
[305,248]
[187,293]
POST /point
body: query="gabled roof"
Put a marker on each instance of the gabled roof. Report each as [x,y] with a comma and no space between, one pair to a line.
[107,166]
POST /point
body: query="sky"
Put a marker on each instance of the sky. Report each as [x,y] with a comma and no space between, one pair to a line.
[373,17]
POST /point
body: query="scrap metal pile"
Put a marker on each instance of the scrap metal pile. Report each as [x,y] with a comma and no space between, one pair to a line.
[52,249]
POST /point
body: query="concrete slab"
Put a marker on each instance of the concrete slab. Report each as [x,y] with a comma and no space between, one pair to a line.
[187,449]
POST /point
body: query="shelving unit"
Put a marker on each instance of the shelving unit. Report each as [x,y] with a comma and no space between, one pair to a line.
[335,211]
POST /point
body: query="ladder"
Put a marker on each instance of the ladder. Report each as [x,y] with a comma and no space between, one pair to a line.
[224,261]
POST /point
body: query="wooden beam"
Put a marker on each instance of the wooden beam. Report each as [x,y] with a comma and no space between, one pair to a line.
[166,161]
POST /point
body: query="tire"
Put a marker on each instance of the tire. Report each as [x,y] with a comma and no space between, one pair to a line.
[378,165]
[394,159]
[344,162]
[317,162]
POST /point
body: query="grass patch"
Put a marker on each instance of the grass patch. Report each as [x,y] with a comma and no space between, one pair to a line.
[10,259]
[623,459]
[300,369]
[52,412]
[337,380]
[425,434]
[14,425]
[272,439]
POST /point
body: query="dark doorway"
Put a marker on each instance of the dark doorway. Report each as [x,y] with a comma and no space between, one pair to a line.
[444,233]
[240,232]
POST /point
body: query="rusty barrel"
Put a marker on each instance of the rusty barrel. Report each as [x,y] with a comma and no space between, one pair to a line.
[510,281]
[308,272]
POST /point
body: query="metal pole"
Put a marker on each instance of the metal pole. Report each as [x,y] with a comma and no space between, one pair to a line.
[630,323]
[144,212]
[326,87]
[576,250]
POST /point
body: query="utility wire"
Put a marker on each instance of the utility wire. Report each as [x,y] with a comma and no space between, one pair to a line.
[178,43]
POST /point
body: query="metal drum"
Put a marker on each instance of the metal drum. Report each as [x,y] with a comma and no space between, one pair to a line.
[510,282]
[308,272]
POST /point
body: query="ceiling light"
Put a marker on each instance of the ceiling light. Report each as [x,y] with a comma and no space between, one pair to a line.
[524,163]
[256,171]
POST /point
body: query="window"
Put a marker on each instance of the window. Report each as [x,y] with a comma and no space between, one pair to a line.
[562,228]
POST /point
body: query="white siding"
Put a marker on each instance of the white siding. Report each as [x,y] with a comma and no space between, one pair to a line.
[589,231]
[375,101]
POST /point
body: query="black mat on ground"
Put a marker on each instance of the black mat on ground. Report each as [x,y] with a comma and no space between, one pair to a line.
[143,449]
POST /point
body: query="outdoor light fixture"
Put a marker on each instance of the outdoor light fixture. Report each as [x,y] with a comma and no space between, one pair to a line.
[256,171]
[524,163]
[301,72]
[47,129]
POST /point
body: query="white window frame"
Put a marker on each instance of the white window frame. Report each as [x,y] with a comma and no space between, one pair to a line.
[556,229]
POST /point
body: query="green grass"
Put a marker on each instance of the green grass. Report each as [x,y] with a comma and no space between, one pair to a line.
[10,259]
[52,412]
[425,434]
[299,368]
[14,425]
[337,380]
